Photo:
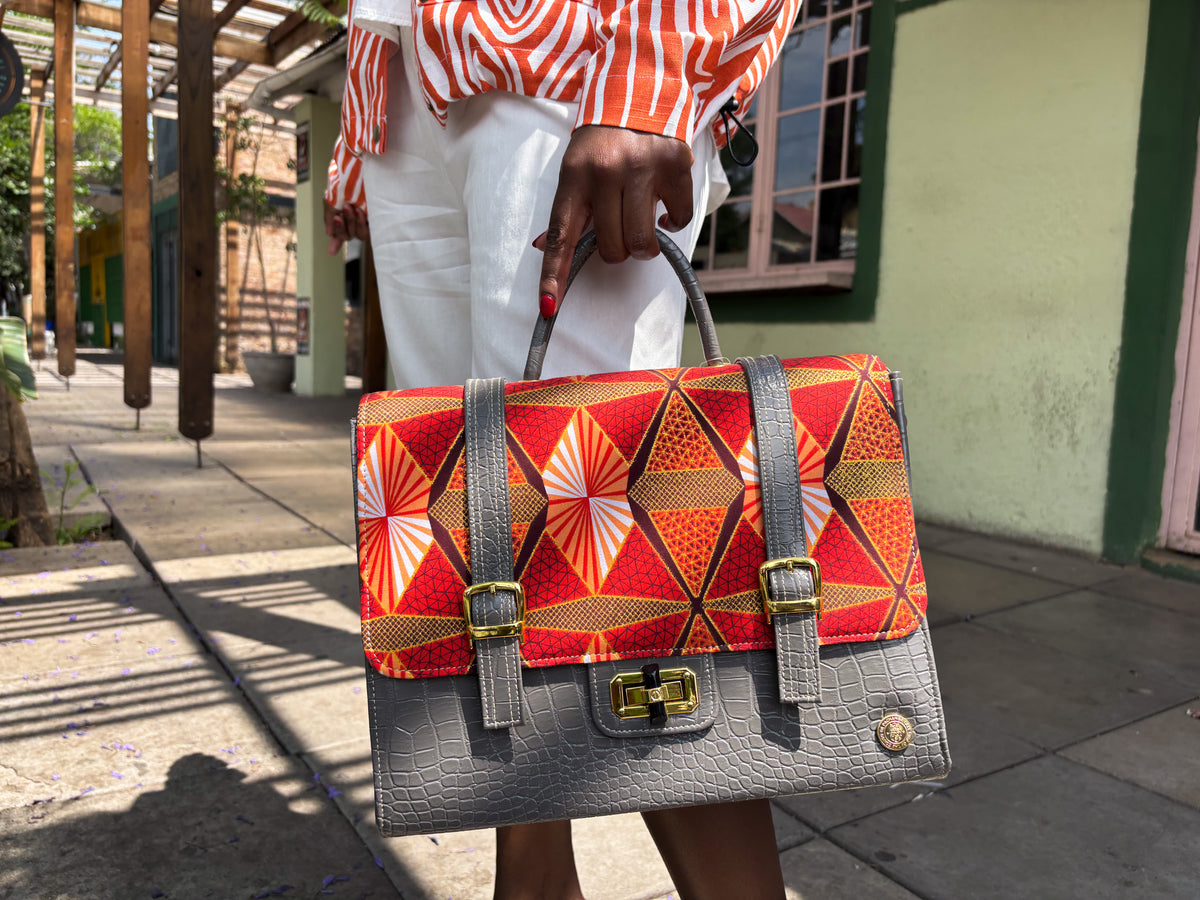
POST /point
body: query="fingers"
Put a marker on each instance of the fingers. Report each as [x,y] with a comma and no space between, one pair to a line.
[335,228]
[676,195]
[567,222]
[356,222]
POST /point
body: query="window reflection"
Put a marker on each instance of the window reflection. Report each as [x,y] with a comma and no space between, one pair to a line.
[732,244]
[796,150]
[792,229]
[802,64]
[837,236]
[839,37]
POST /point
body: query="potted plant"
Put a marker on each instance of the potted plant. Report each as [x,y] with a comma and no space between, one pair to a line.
[247,202]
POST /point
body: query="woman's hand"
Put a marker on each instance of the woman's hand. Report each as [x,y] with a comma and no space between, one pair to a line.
[613,179]
[344,224]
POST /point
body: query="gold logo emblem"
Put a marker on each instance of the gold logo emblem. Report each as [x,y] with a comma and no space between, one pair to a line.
[895,732]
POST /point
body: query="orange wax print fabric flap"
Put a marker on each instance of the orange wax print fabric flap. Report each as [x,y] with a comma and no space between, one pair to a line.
[637,517]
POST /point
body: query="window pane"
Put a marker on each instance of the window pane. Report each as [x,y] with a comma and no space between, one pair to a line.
[858,114]
[860,73]
[792,229]
[831,152]
[700,258]
[741,178]
[842,5]
[839,37]
[733,236]
[796,150]
[803,63]
[837,237]
[835,85]
[862,37]
[817,9]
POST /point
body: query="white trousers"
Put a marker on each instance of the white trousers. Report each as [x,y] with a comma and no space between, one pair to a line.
[453,215]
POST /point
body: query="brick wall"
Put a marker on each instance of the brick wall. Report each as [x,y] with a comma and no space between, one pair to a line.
[273,283]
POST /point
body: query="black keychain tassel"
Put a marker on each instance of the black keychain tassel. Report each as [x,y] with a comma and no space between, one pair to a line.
[727,113]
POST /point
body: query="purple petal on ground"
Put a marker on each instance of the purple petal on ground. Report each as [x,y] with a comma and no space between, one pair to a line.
[17,615]
[46,574]
[173,641]
[94,634]
[116,774]
[358,690]
[282,889]
[317,777]
[262,896]
[157,894]
[126,671]
[54,776]
[62,640]
[334,792]
[242,818]
[379,862]
[30,641]
[237,681]
[232,840]
[80,733]
[151,651]
[86,790]
[129,609]
[72,617]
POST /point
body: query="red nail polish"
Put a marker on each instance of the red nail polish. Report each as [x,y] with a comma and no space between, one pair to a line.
[548,305]
[540,237]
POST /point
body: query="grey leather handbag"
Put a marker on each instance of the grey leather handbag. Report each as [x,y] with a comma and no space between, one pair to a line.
[641,590]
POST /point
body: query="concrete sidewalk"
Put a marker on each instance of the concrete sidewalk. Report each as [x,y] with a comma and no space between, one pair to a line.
[182,714]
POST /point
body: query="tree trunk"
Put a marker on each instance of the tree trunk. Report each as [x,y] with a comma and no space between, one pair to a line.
[21,496]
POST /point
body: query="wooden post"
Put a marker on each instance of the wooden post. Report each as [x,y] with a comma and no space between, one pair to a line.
[233,268]
[37,213]
[64,185]
[135,181]
[375,354]
[197,221]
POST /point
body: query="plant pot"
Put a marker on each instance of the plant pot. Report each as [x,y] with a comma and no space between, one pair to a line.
[271,373]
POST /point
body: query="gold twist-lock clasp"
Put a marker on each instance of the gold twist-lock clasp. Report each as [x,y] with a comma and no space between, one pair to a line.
[631,699]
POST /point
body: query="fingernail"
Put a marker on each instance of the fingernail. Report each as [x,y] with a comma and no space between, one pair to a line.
[539,242]
[665,223]
[548,305]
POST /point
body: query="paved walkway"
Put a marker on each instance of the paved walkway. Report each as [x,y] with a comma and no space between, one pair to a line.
[182,714]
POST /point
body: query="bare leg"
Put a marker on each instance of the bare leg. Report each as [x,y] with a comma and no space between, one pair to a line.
[536,862]
[718,852]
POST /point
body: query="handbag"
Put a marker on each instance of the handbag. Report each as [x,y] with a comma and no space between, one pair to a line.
[640,590]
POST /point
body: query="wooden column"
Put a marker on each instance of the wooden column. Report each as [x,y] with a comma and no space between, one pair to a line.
[37,213]
[197,221]
[64,185]
[375,353]
[135,188]
[233,266]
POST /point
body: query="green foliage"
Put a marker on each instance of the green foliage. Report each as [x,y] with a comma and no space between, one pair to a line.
[6,525]
[15,370]
[315,10]
[97,161]
[86,526]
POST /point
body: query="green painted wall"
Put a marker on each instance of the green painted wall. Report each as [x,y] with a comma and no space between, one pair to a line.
[1007,192]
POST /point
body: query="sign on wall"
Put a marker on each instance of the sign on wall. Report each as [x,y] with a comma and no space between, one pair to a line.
[12,76]
[303,160]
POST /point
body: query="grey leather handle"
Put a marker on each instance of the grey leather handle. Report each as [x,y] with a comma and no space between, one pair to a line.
[687,277]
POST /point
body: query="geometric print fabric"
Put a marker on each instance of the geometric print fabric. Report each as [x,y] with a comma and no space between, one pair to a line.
[637,518]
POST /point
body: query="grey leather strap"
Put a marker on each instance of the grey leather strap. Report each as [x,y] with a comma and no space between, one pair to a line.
[796,642]
[543,328]
[497,659]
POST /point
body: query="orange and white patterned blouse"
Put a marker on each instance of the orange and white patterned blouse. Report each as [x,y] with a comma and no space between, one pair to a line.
[660,66]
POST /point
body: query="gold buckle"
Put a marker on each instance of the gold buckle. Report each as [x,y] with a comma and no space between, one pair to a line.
[631,699]
[783,607]
[504,629]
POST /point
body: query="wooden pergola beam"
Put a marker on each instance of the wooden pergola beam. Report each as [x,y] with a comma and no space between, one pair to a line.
[162,31]
[228,11]
[135,201]
[37,214]
[297,30]
[197,221]
[64,185]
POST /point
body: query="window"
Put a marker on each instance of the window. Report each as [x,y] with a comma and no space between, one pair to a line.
[791,219]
